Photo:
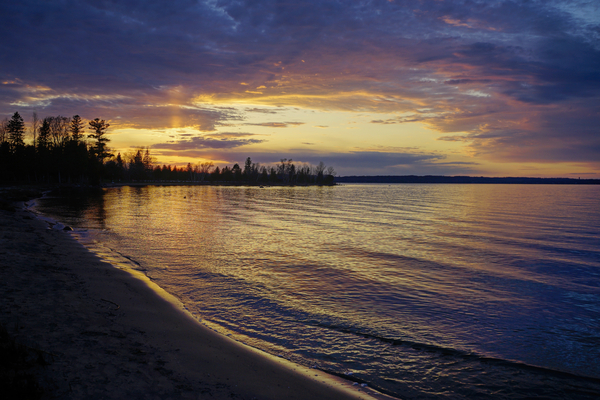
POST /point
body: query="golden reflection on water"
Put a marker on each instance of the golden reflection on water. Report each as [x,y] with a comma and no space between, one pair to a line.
[490,269]
[394,282]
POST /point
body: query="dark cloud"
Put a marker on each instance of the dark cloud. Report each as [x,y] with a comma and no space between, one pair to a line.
[454,138]
[398,120]
[276,124]
[262,110]
[229,135]
[220,141]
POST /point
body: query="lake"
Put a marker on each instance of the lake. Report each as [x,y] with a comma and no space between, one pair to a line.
[421,291]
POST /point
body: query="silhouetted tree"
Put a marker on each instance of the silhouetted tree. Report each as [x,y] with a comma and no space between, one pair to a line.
[99,147]
[43,139]
[248,169]
[236,172]
[16,129]
[264,174]
[59,130]
[3,130]
[35,125]
[115,169]
[5,154]
[216,175]
[320,169]
[135,165]
[190,171]
[156,173]
[76,150]
[76,128]
[166,172]
[147,160]
[204,169]
[59,151]
[273,174]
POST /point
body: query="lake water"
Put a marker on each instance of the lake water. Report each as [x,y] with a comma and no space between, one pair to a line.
[421,291]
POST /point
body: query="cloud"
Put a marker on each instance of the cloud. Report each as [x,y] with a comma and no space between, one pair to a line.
[275,124]
[359,162]
[262,110]
[495,71]
[220,141]
[454,138]
[229,135]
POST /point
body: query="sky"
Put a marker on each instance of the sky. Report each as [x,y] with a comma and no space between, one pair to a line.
[390,87]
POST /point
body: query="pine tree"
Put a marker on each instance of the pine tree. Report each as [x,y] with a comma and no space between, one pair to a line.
[76,128]
[99,149]
[16,130]
[43,139]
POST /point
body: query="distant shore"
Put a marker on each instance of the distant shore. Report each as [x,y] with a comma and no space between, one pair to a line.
[101,332]
[463,180]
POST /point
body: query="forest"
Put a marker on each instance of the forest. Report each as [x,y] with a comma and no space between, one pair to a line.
[66,150]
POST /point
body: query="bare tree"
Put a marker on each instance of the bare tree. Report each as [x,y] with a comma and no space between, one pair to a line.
[59,130]
[320,169]
[205,169]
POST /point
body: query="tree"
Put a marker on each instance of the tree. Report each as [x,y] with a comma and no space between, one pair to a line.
[35,124]
[329,176]
[43,139]
[215,175]
[59,130]
[120,164]
[147,160]
[248,168]
[76,150]
[190,170]
[281,169]
[204,169]
[3,130]
[15,129]
[237,172]
[135,164]
[100,150]
[320,169]
[76,128]
[264,174]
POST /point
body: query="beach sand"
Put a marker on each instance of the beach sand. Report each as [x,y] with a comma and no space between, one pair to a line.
[106,334]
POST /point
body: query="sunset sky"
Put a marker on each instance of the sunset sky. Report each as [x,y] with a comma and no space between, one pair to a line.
[493,88]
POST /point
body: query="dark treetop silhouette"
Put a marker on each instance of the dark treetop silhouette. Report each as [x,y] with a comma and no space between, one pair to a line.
[59,153]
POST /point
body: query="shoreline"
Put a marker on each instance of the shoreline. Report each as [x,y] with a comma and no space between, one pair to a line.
[105,333]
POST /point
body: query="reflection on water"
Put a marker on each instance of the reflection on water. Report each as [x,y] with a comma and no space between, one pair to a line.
[463,291]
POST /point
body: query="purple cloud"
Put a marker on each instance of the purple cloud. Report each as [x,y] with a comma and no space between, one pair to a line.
[519,79]
[220,141]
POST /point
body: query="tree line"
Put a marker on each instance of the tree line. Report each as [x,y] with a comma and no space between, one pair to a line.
[67,150]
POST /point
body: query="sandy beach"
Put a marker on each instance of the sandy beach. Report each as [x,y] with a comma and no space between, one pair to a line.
[105,334]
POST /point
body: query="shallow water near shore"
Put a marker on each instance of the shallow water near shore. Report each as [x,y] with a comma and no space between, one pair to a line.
[422,291]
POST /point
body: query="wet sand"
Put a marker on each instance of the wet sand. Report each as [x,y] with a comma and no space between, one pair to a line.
[106,334]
